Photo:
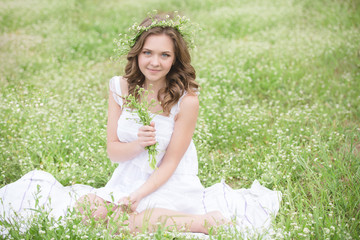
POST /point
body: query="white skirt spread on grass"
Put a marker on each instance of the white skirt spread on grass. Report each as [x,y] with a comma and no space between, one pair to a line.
[252,209]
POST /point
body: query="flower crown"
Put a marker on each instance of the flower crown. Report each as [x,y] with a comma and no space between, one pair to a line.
[180,23]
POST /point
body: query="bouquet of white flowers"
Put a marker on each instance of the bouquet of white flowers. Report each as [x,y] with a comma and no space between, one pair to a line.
[142,107]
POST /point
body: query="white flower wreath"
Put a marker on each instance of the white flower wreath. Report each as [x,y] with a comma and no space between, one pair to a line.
[180,23]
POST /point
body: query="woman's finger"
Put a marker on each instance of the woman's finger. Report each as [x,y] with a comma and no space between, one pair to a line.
[146,134]
[147,129]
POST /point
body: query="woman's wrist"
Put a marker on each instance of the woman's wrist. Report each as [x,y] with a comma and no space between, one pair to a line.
[137,195]
[138,146]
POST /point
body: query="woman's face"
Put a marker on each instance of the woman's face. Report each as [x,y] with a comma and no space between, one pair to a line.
[156,58]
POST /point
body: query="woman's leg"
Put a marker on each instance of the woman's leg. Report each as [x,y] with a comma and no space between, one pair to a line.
[93,207]
[96,208]
[150,219]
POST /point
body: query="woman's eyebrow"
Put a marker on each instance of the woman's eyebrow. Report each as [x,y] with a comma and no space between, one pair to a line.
[166,51]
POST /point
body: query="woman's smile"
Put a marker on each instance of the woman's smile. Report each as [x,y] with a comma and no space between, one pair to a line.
[154,70]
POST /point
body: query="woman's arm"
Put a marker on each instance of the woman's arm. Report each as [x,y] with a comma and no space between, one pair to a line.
[119,151]
[183,131]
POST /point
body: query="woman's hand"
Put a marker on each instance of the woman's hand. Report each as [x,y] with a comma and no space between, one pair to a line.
[146,135]
[130,203]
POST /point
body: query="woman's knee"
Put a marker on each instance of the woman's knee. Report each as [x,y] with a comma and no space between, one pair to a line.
[93,206]
[85,202]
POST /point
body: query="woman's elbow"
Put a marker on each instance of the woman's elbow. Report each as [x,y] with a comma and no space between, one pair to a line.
[111,155]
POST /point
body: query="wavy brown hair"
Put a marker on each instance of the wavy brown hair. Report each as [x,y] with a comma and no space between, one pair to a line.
[181,76]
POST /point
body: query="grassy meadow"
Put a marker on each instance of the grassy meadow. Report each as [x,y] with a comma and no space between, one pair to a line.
[280,102]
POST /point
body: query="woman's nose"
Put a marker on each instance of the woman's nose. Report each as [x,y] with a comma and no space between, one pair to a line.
[155,60]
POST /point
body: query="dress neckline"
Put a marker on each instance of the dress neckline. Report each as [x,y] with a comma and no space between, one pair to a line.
[153,114]
[173,109]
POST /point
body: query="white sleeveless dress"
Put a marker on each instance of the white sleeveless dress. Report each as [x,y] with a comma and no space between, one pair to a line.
[251,208]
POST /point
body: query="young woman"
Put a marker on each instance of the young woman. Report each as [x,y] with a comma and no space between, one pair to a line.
[159,62]
[171,194]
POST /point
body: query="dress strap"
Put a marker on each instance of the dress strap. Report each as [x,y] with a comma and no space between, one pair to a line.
[176,108]
[115,88]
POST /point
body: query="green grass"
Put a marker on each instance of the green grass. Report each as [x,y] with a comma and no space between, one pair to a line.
[279,102]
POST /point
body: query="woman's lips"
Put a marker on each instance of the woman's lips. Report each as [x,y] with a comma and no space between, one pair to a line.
[154,70]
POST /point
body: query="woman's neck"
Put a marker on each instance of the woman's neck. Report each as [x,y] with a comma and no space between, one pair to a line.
[154,87]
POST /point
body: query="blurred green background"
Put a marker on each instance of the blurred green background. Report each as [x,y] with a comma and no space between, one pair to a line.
[279,98]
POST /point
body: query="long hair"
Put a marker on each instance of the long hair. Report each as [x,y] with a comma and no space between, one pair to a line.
[181,76]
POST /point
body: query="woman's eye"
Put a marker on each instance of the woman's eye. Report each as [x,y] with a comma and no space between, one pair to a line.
[146,53]
[165,55]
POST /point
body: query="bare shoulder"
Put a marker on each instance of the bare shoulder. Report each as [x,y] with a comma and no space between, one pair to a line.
[190,101]
[189,104]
